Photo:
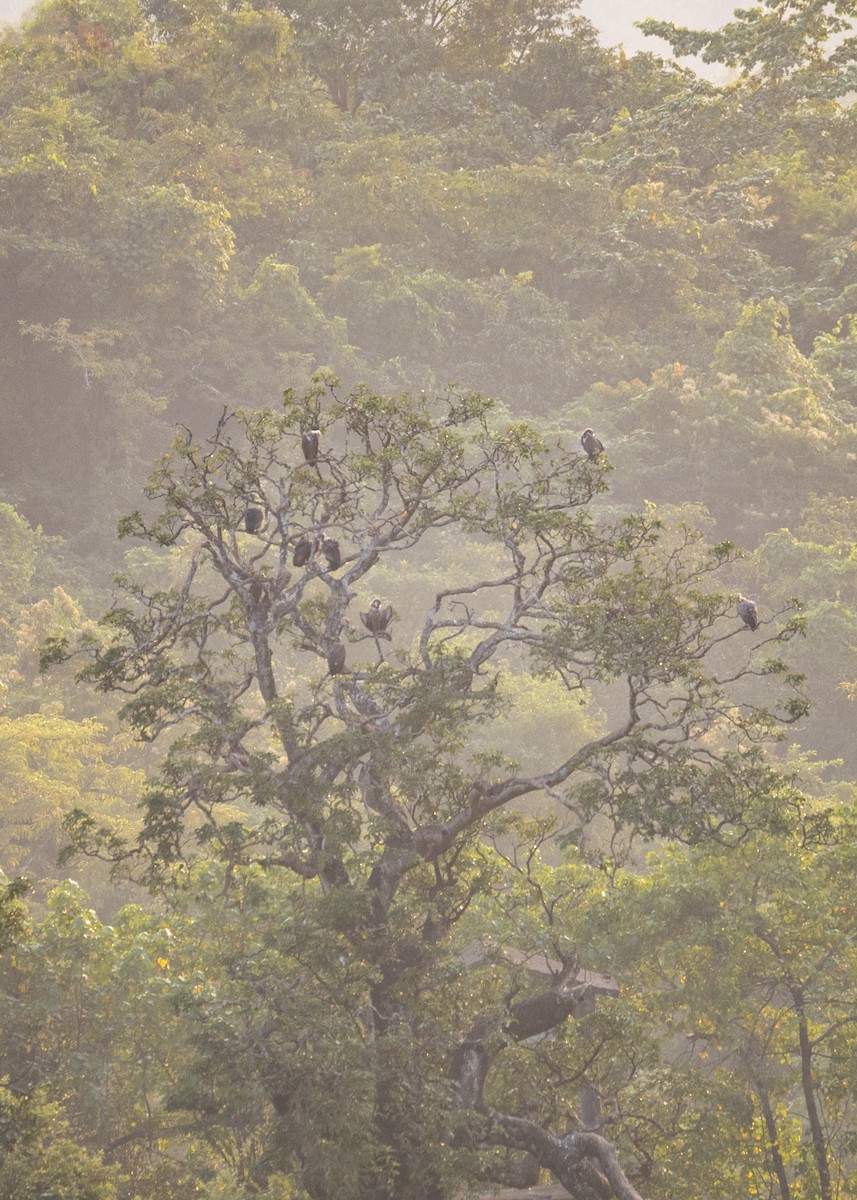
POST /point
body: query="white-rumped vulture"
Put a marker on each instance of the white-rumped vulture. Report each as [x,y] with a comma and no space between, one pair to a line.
[253,519]
[303,552]
[309,445]
[376,619]
[591,444]
[747,612]
[336,659]
[330,550]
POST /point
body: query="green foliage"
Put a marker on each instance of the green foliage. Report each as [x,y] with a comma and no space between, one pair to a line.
[12,919]
[37,1155]
[363,818]
[57,746]
[779,42]
[37,1160]
[747,959]
[546,217]
[395,475]
[817,563]
[202,203]
[753,436]
[20,547]
[49,765]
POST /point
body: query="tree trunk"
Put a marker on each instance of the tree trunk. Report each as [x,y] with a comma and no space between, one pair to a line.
[819,1144]
[774,1143]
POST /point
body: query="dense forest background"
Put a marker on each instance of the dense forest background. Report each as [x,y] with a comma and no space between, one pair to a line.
[205,203]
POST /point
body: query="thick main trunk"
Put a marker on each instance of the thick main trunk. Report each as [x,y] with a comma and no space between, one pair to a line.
[404,1170]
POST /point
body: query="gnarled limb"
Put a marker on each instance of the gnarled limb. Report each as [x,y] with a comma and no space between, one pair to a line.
[586,1164]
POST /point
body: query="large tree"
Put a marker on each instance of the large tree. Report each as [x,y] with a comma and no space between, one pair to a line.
[352,758]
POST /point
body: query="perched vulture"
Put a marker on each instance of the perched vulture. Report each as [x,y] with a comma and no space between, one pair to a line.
[336,659]
[257,591]
[376,619]
[304,550]
[309,445]
[330,550]
[591,444]
[747,612]
[253,519]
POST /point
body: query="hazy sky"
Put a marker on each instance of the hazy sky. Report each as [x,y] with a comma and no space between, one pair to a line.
[10,10]
[614,18]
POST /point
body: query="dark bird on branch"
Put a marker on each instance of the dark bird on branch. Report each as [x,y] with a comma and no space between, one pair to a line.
[304,550]
[591,444]
[376,619]
[309,445]
[336,659]
[253,519]
[330,550]
[747,612]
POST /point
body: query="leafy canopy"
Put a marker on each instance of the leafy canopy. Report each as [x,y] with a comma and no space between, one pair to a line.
[356,764]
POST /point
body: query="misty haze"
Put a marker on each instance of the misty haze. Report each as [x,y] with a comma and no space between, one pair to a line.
[428,641]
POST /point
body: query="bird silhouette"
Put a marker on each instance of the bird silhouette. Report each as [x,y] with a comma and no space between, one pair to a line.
[330,550]
[336,659]
[253,519]
[309,445]
[591,444]
[376,619]
[747,612]
[303,552]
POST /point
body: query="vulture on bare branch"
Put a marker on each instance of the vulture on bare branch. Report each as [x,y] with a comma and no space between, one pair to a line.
[253,519]
[309,445]
[747,612]
[330,550]
[336,659]
[303,552]
[376,619]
